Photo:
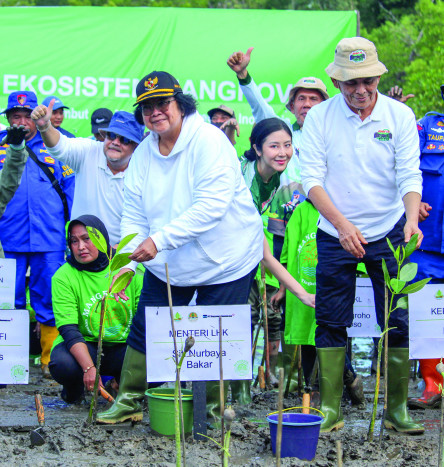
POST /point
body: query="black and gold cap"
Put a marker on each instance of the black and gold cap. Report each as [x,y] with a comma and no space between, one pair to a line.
[157,84]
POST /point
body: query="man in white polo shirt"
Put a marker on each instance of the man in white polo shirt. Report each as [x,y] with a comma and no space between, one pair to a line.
[360,168]
[99,166]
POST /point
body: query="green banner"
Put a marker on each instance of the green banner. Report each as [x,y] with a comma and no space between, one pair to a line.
[94,57]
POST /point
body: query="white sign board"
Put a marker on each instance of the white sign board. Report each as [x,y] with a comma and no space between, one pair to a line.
[202,361]
[14,346]
[364,322]
[7,284]
[426,322]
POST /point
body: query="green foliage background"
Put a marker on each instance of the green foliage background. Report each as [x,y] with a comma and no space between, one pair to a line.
[407,33]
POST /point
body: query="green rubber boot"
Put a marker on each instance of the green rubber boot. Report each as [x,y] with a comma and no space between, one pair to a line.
[397,417]
[213,401]
[287,357]
[240,391]
[331,369]
[132,389]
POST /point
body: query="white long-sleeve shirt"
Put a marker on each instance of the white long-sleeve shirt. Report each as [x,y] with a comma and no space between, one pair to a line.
[98,191]
[366,167]
[194,205]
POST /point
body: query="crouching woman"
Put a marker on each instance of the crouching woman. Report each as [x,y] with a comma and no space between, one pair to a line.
[77,289]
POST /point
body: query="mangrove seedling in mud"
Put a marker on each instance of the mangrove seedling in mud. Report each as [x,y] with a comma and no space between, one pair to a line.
[178,413]
[115,263]
[229,415]
[399,285]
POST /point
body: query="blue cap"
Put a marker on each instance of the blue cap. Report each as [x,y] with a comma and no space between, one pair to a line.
[21,100]
[125,124]
[58,104]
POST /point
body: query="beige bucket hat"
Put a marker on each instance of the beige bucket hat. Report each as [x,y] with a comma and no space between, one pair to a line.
[355,57]
[308,83]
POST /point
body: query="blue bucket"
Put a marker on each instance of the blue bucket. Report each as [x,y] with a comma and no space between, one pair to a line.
[300,434]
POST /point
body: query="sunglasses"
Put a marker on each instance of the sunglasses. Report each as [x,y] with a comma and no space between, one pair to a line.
[123,139]
[161,106]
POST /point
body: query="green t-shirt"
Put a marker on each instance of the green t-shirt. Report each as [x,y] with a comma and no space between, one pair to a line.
[300,253]
[76,298]
[301,256]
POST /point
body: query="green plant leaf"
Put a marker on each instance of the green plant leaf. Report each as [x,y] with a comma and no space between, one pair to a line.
[386,273]
[403,302]
[411,245]
[412,288]
[122,282]
[408,272]
[119,261]
[125,241]
[389,243]
[397,285]
[396,253]
[97,238]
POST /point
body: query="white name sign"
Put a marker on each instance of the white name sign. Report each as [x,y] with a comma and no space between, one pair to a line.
[14,346]
[364,322]
[7,284]
[426,322]
[201,363]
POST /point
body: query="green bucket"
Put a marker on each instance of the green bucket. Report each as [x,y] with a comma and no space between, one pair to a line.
[161,409]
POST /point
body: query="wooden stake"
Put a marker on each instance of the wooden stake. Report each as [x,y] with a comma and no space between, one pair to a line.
[299,370]
[170,303]
[93,406]
[306,402]
[266,346]
[261,377]
[256,337]
[339,452]
[222,395]
[280,417]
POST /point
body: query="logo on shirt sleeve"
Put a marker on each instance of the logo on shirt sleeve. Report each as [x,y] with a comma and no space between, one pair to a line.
[383,135]
[431,146]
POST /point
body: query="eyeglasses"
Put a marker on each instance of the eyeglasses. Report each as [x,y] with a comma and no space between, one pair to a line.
[161,106]
[123,139]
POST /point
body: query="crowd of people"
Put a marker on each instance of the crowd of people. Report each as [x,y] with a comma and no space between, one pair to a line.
[312,201]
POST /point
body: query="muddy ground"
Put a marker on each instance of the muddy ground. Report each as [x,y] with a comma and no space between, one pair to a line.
[70,442]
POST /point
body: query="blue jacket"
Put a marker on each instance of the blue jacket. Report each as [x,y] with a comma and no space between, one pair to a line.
[431,137]
[65,132]
[33,221]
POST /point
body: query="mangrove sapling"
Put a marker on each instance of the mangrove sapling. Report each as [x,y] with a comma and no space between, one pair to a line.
[229,415]
[280,417]
[177,413]
[384,410]
[114,264]
[177,390]
[396,286]
[440,370]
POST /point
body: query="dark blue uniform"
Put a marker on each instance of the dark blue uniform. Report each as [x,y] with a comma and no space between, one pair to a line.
[430,257]
[32,229]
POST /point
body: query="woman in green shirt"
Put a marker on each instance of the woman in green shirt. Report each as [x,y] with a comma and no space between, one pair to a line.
[77,289]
